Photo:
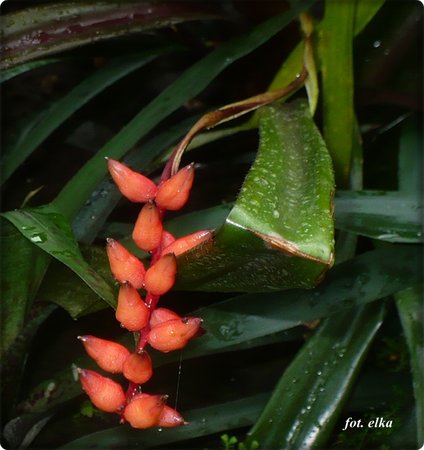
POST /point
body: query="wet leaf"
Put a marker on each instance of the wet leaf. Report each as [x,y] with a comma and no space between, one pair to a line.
[48,230]
[279,233]
[307,400]
[410,307]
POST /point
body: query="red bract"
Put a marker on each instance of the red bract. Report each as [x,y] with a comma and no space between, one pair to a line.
[162,328]
[138,367]
[174,334]
[173,193]
[105,394]
[160,315]
[148,228]
[109,355]
[144,410]
[160,277]
[134,186]
[188,242]
[131,312]
[170,418]
[124,265]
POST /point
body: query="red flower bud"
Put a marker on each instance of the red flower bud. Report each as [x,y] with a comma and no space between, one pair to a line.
[186,243]
[173,193]
[160,315]
[131,311]
[144,410]
[110,356]
[160,277]
[148,228]
[138,368]
[134,186]
[106,394]
[167,239]
[173,334]
[169,418]
[124,265]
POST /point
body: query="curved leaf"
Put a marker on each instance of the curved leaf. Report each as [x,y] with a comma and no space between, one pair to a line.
[46,228]
[307,400]
[279,233]
[48,29]
[409,303]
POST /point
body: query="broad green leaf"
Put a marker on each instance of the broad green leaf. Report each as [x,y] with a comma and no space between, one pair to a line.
[388,216]
[243,318]
[15,71]
[25,141]
[47,229]
[202,422]
[409,303]
[308,398]
[22,269]
[279,233]
[190,83]
[46,29]
[335,48]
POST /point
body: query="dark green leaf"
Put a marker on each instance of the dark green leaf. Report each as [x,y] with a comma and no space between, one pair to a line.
[307,400]
[410,307]
[279,233]
[202,422]
[47,229]
[42,125]
[411,159]
[15,71]
[388,216]
[22,269]
[193,81]
[47,29]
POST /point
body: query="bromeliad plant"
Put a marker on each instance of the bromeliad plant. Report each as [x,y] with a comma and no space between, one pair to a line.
[291,348]
[161,328]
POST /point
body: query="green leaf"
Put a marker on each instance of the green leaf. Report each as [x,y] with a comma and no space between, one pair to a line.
[47,229]
[60,281]
[25,141]
[411,159]
[335,48]
[307,400]
[409,303]
[15,71]
[388,216]
[22,269]
[279,233]
[46,29]
[190,83]
[202,422]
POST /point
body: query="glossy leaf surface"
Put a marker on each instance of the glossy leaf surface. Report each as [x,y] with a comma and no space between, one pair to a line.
[279,233]
[46,228]
[305,404]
